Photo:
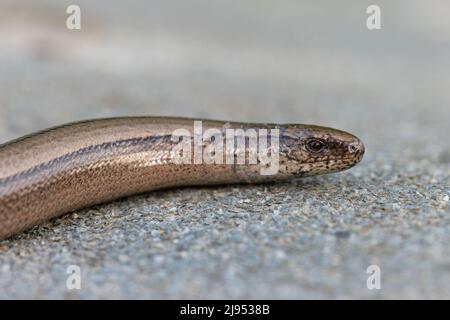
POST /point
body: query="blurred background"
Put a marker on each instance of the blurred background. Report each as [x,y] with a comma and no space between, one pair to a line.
[270,61]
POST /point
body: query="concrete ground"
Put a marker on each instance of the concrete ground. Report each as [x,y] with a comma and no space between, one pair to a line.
[283,61]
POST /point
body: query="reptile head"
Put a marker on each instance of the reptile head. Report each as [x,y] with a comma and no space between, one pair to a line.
[311,150]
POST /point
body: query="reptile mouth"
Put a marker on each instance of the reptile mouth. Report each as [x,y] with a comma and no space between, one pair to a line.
[339,163]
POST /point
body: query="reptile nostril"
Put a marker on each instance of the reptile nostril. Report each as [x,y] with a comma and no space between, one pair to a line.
[353,147]
[356,147]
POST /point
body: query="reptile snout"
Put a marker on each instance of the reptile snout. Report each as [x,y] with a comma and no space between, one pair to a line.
[356,147]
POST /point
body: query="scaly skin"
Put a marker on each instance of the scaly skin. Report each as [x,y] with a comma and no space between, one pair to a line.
[77,165]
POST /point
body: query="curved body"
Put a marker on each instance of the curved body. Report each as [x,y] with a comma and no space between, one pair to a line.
[73,166]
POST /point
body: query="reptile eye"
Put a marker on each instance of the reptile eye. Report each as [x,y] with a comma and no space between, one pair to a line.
[315,145]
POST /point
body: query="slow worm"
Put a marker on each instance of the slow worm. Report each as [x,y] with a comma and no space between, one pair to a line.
[62,169]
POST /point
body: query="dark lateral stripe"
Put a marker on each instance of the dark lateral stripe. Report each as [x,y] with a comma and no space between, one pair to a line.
[107,148]
[111,148]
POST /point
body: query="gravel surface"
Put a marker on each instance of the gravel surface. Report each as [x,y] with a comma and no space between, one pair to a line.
[283,61]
